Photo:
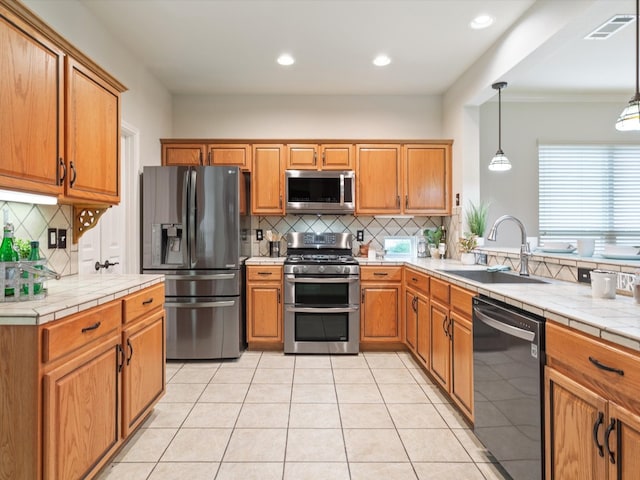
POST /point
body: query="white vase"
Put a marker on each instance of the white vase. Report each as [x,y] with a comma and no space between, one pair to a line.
[480,241]
[468,258]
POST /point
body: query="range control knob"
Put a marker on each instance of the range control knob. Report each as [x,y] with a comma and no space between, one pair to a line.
[295,270]
[321,268]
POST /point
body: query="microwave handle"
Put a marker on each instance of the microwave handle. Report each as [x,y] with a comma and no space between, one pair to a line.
[341,189]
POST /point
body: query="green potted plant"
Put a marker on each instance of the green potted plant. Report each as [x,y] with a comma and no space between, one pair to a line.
[433,236]
[476,217]
[466,245]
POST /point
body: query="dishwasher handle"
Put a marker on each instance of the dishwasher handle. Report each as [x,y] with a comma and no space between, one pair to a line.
[504,327]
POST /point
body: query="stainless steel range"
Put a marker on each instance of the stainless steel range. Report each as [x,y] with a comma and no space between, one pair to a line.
[321,294]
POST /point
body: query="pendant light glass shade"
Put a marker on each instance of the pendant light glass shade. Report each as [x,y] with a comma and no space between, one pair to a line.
[499,162]
[629,119]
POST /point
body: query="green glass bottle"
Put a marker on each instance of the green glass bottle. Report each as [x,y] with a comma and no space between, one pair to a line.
[8,254]
[34,256]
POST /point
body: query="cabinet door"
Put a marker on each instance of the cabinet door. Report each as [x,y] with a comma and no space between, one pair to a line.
[92,136]
[440,354]
[378,179]
[380,313]
[31,125]
[424,333]
[336,157]
[623,443]
[144,373]
[238,155]
[427,179]
[182,154]
[462,363]
[575,422]
[81,412]
[264,312]
[267,182]
[411,319]
[302,157]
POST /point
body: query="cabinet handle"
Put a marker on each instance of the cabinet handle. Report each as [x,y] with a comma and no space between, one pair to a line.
[398,201]
[130,347]
[450,329]
[147,302]
[64,171]
[406,201]
[315,158]
[75,174]
[596,427]
[413,304]
[121,359]
[265,273]
[208,158]
[414,279]
[446,330]
[381,274]
[280,202]
[607,435]
[95,326]
[324,158]
[278,296]
[602,366]
[362,296]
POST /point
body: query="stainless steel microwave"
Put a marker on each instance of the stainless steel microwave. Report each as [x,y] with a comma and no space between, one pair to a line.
[313,192]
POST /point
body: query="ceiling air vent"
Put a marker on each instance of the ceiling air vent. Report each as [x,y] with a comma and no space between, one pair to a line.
[611,26]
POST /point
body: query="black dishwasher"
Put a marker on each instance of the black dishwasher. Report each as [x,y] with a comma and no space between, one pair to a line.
[508,362]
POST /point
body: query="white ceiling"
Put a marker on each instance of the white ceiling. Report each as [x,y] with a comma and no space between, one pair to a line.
[230,46]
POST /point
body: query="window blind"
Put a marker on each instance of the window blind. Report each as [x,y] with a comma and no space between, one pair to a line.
[589,191]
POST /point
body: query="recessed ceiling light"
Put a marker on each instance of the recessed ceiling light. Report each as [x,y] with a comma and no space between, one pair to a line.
[481,21]
[381,61]
[286,59]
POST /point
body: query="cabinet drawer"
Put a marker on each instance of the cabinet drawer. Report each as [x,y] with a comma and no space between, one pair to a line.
[440,290]
[138,304]
[267,273]
[65,336]
[417,280]
[381,274]
[579,352]
[461,301]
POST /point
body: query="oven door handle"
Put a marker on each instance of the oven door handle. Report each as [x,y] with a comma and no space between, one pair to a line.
[291,308]
[293,279]
[503,327]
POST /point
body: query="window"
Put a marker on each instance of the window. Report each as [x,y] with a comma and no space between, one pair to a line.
[590,191]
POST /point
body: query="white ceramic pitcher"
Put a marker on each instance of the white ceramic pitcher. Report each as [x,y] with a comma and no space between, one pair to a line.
[603,284]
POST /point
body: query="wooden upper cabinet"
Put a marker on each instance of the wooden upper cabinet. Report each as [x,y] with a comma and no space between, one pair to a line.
[238,155]
[267,182]
[31,114]
[302,157]
[378,173]
[306,156]
[337,157]
[183,154]
[427,179]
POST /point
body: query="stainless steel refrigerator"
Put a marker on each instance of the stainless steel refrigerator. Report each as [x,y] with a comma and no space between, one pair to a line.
[191,226]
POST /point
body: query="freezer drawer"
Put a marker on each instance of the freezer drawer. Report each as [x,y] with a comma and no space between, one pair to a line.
[208,283]
[204,328]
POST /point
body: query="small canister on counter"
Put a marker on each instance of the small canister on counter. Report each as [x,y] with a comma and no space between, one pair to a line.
[274,249]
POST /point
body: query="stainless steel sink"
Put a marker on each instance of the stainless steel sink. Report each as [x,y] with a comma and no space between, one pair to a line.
[482,276]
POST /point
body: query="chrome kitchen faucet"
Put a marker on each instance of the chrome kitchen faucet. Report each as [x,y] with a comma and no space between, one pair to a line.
[525,251]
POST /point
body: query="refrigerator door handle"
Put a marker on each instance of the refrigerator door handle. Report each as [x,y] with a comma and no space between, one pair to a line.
[219,276]
[223,304]
[185,215]
[193,177]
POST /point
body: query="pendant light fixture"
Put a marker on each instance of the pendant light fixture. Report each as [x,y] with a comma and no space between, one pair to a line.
[630,117]
[499,162]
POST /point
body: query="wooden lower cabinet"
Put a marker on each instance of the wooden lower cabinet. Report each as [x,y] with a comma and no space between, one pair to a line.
[625,443]
[380,304]
[264,305]
[440,351]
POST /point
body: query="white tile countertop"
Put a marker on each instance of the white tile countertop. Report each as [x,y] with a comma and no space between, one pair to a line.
[568,303]
[72,294]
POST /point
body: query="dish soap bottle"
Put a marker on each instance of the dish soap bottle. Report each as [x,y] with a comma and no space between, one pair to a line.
[8,254]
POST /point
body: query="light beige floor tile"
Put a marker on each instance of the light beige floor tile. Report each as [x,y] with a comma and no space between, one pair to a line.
[130,471]
[315,445]
[349,361]
[191,471]
[264,415]
[183,392]
[433,445]
[415,415]
[382,471]
[314,415]
[313,375]
[393,375]
[167,415]
[472,445]
[358,394]
[420,376]
[490,471]
[313,394]
[403,393]
[233,375]
[257,445]
[434,393]
[245,361]
[447,471]
[450,415]
[269,393]
[224,393]
[273,375]
[352,375]
[206,364]
[197,445]
[365,415]
[193,375]
[383,360]
[146,445]
[316,471]
[213,415]
[374,445]
[250,471]
[408,360]
[277,361]
[313,361]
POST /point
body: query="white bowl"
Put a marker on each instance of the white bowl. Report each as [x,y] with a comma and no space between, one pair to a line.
[620,250]
[558,245]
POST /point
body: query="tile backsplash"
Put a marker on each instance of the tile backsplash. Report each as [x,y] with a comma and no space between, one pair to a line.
[31,222]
